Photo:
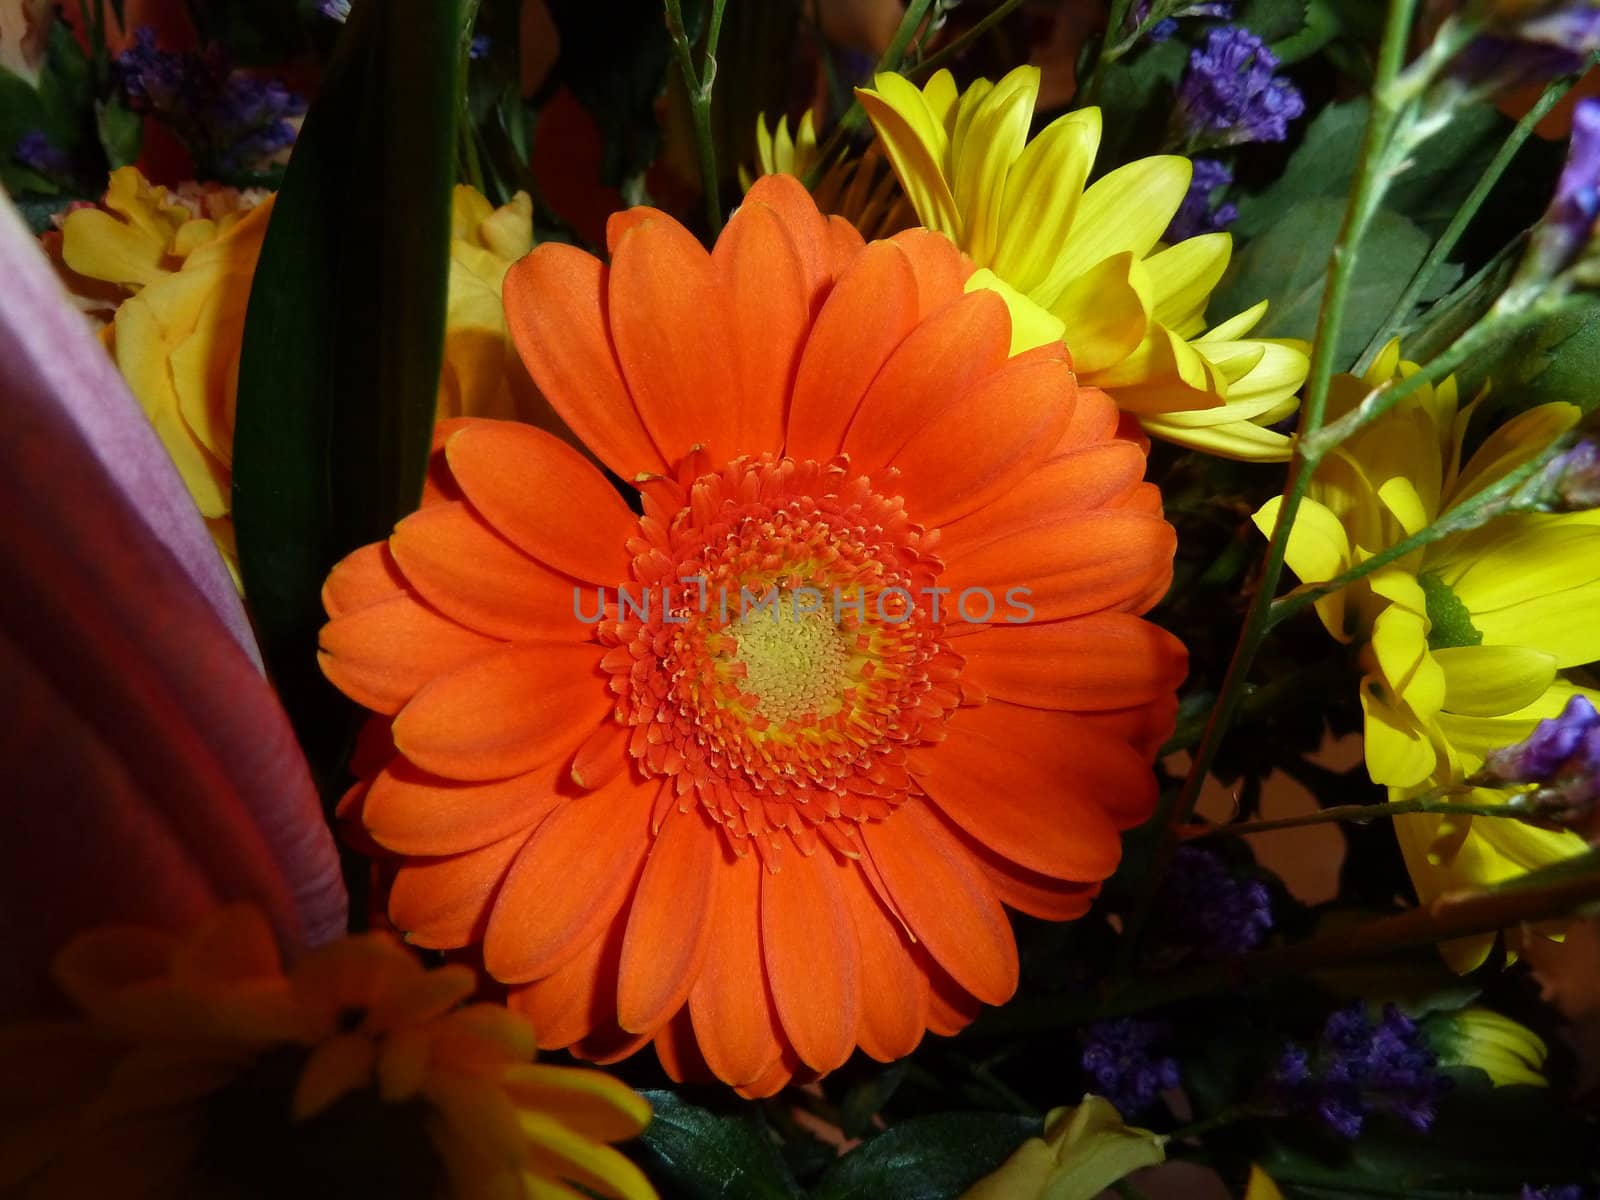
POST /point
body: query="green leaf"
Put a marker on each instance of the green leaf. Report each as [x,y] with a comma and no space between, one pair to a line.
[1136,99]
[705,1155]
[343,338]
[1288,266]
[121,132]
[862,1102]
[1272,20]
[927,1158]
[1428,192]
[1559,360]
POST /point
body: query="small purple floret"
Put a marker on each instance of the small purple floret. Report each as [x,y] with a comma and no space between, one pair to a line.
[1231,94]
[1119,1057]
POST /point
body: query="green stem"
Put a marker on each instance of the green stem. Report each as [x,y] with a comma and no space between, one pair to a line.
[699,85]
[1464,216]
[1107,54]
[934,61]
[855,114]
[1372,177]
[1365,812]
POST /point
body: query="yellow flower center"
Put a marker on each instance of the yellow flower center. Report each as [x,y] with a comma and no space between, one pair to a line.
[795,660]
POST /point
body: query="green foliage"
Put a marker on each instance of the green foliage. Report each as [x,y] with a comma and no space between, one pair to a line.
[703,1155]
[1287,265]
[1427,192]
[1558,361]
[1136,99]
[121,132]
[927,1158]
[343,341]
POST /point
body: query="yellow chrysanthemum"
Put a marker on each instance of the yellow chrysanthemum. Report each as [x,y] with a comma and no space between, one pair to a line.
[1088,264]
[1507,1052]
[203,1068]
[1462,642]
[861,190]
[184,273]
[1084,1150]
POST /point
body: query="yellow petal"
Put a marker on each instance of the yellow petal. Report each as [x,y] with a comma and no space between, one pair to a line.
[1236,326]
[1261,1186]
[1105,312]
[339,1065]
[1488,681]
[918,148]
[1519,440]
[1184,276]
[1042,195]
[469,208]
[589,1163]
[1242,441]
[590,1103]
[1129,209]
[1162,374]
[990,134]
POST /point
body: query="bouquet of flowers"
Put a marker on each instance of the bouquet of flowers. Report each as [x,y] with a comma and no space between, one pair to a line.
[887,599]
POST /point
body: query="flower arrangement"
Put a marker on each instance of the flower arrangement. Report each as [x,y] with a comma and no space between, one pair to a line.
[989,600]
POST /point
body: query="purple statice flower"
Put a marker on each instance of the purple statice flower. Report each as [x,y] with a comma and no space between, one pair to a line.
[1573,478]
[1560,1191]
[37,152]
[1358,1068]
[1569,222]
[1200,213]
[479,47]
[1562,756]
[1231,95]
[1208,910]
[228,118]
[1119,1057]
[1164,29]
[334,10]
[1549,750]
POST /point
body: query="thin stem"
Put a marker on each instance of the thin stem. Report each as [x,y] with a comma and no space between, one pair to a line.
[699,86]
[855,114]
[934,61]
[1364,812]
[1372,177]
[1464,215]
[1107,54]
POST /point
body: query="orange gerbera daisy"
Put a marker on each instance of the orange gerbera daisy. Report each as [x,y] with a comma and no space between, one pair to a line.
[752,774]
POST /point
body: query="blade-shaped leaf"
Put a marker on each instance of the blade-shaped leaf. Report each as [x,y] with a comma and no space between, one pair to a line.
[343,339]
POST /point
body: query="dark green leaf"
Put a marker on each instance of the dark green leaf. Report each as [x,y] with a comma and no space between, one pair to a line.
[1136,99]
[1428,192]
[1272,20]
[1324,21]
[1559,360]
[927,1158]
[702,1154]
[121,131]
[1288,265]
[862,1102]
[343,340]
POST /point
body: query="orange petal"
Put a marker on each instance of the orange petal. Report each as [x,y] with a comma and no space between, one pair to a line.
[555,301]
[384,654]
[813,963]
[670,321]
[940,267]
[1029,785]
[843,246]
[669,921]
[545,497]
[1145,727]
[774,1081]
[1088,478]
[1028,891]
[939,360]
[945,899]
[951,1008]
[411,811]
[626,220]
[1094,419]
[809,232]
[575,999]
[766,287]
[894,993]
[1101,560]
[869,312]
[730,1005]
[602,756]
[678,1052]
[443,903]
[1100,661]
[505,712]
[595,847]
[470,573]
[987,442]
[363,577]
[440,484]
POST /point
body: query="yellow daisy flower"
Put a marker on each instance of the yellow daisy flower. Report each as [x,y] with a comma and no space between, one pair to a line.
[182,271]
[1463,641]
[1507,1052]
[1087,264]
[200,1060]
